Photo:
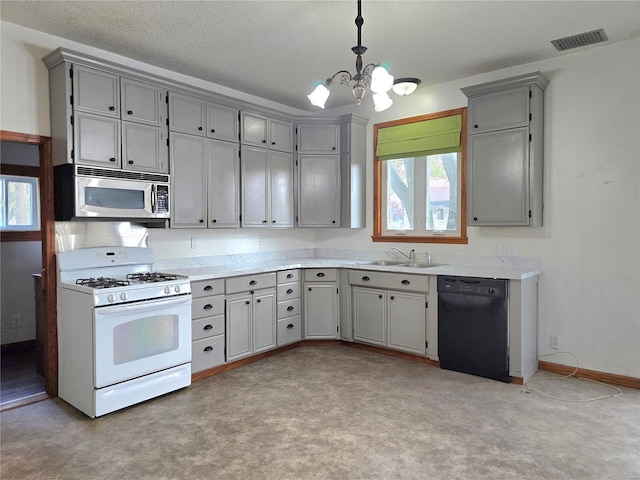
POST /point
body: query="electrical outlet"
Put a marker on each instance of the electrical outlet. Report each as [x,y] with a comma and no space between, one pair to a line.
[509,250]
[261,240]
[194,244]
[554,342]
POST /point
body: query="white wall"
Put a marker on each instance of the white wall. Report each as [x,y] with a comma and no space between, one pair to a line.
[590,288]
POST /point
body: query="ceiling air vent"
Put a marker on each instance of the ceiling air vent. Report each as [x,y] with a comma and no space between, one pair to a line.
[580,40]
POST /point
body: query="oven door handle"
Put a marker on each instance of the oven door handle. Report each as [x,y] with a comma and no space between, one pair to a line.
[144,305]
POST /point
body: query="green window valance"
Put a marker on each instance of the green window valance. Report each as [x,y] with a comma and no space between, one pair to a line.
[419,139]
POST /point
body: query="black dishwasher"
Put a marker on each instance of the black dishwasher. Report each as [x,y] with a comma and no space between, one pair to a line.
[473,329]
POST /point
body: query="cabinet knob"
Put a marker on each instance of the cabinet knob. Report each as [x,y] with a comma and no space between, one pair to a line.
[253,282]
[112,108]
[208,288]
[333,221]
[208,306]
[392,297]
[320,274]
[213,130]
[475,126]
[201,220]
[273,143]
[129,112]
[309,288]
[247,302]
[264,141]
[290,326]
[475,219]
[214,220]
[289,308]
[365,279]
[406,282]
[289,275]
[290,291]
[251,292]
[258,300]
[380,296]
[264,221]
[333,148]
[112,159]
[208,348]
[130,162]
[200,128]
[208,327]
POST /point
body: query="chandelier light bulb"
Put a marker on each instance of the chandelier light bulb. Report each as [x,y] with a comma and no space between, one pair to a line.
[381,80]
[319,96]
[381,101]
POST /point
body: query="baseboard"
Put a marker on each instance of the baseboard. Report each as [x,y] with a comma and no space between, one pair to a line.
[392,353]
[612,378]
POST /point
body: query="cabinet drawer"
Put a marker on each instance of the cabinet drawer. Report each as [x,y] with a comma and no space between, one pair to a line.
[207,327]
[289,330]
[203,288]
[207,353]
[207,306]
[286,276]
[287,291]
[250,282]
[392,281]
[289,308]
[320,275]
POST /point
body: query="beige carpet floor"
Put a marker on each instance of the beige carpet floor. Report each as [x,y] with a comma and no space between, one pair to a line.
[335,413]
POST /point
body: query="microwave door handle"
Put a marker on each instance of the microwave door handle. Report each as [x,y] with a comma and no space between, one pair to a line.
[153,198]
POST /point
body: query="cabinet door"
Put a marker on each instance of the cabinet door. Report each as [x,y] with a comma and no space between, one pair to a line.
[222,122]
[280,136]
[406,320]
[264,320]
[143,148]
[281,189]
[318,190]
[239,314]
[186,114]
[188,181]
[320,310]
[369,315]
[224,184]
[318,138]
[97,140]
[142,102]
[95,91]
[499,110]
[254,129]
[498,179]
[254,187]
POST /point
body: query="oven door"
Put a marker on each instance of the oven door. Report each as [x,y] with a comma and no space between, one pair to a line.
[114,198]
[135,339]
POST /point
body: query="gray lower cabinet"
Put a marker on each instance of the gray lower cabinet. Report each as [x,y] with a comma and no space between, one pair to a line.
[251,315]
[289,308]
[321,304]
[208,324]
[391,310]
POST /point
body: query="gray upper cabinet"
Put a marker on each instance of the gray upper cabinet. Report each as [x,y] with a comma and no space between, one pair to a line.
[187,114]
[188,181]
[505,151]
[144,148]
[318,139]
[97,140]
[142,102]
[319,190]
[222,122]
[261,131]
[95,91]
[223,193]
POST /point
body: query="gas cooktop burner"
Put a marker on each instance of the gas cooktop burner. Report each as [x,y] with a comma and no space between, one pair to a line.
[151,277]
[101,282]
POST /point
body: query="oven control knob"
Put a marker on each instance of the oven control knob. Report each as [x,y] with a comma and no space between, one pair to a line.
[167,290]
[111,298]
[177,289]
[124,295]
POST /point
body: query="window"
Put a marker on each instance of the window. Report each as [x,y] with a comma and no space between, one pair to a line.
[419,179]
[19,201]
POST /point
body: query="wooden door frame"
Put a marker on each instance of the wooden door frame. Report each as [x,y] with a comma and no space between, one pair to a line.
[47,227]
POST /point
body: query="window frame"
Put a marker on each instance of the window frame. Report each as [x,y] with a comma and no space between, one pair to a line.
[23,235]
[378,189]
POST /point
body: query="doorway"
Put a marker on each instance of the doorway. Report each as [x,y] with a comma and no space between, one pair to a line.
[23,357]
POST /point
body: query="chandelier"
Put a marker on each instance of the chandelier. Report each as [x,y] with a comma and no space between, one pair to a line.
[373,76]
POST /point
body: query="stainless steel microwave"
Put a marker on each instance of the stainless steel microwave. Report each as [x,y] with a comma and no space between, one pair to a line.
[83,192]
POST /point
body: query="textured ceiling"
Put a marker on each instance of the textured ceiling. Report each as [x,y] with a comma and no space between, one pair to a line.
[278,50]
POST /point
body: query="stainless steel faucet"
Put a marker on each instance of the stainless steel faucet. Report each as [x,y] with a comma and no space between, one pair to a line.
[411,257]
[428,255]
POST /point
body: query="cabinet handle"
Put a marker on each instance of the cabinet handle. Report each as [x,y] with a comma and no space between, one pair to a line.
[380,296]
[273,143]
[112,159]
[273,221]
[365,279]
[208,348]
[289,275]
[130,162]
[253,282]
[264,141]
[475,126]
[264,221]
[129,112]
[406,282]
[213,130]
[201,220]
[208,288]
[289,308]
[320,274]
[208,327]
[112,108]
[258,301]
[290,291]
[475,219]
[200,128]
[290,326]
[208,306]
[392,297]
[214,220]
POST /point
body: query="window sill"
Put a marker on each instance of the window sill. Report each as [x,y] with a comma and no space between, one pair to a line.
[416,239]
[19,236]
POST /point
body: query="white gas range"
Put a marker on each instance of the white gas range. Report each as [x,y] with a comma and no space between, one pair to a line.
[124,331]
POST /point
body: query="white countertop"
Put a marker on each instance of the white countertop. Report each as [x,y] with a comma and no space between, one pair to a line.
[195,273]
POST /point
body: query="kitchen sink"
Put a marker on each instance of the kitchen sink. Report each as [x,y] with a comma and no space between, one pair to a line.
[420,265]
[386,263]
